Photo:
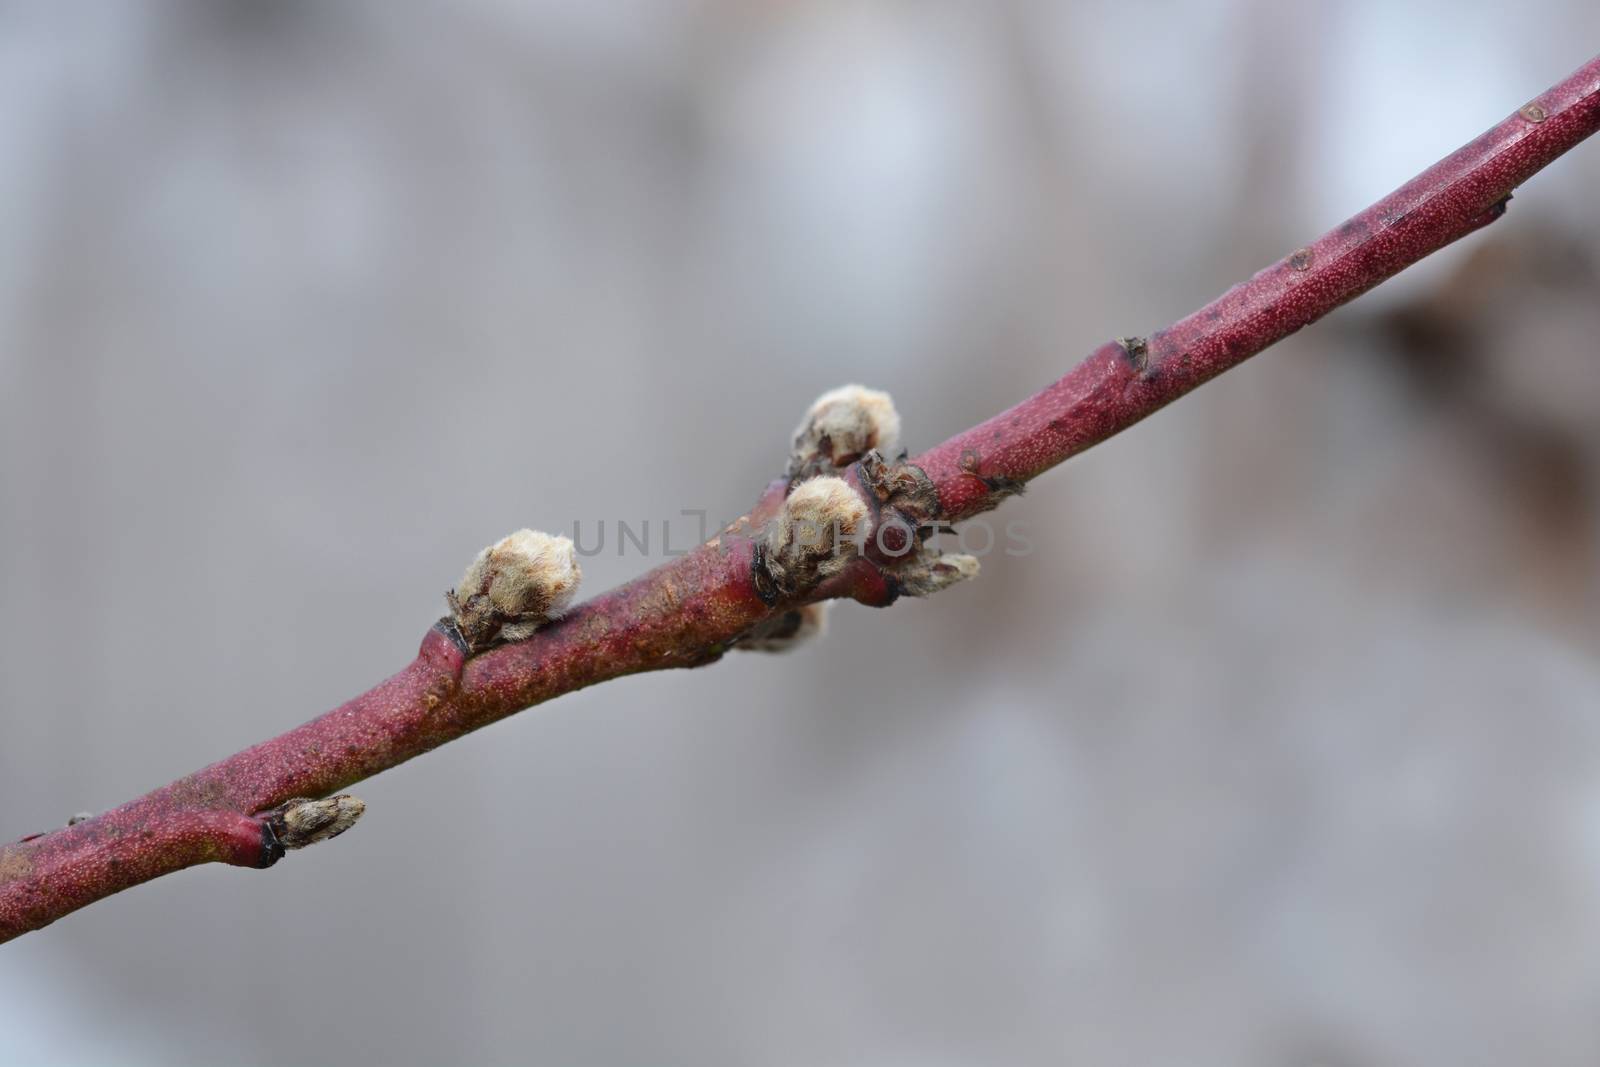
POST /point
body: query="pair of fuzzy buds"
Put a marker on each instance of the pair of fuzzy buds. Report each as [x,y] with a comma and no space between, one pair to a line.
[513,587]
[814,534]
[817,531]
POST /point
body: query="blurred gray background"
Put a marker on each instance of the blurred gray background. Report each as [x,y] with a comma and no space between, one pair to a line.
[1282,748]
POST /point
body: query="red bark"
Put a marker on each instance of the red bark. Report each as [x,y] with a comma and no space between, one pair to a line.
[686,612]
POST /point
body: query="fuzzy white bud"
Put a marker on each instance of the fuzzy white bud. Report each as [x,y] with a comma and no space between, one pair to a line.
[515,586]
[842,426]
[305,822]
[813,536]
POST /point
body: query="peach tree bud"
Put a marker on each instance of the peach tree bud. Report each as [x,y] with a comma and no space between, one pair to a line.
[813,536]
[515,586]
[303,822]
[930,573]
[787,630]
[842,426]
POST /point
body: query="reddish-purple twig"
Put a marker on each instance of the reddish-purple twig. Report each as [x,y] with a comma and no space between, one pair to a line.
[686,612]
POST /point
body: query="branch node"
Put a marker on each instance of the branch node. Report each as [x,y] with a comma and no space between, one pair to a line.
[1138,350]
[903,486]
[1000,487]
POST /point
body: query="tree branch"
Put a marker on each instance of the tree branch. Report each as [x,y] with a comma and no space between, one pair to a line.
[752,581]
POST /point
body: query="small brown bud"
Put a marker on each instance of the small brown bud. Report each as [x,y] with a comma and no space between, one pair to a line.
[303,822]
[515,586]
[842,426]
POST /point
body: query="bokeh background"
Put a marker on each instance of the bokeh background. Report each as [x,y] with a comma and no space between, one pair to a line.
[1282,748]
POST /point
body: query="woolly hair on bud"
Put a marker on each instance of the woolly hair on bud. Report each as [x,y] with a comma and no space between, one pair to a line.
[515,586]
[841,426]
